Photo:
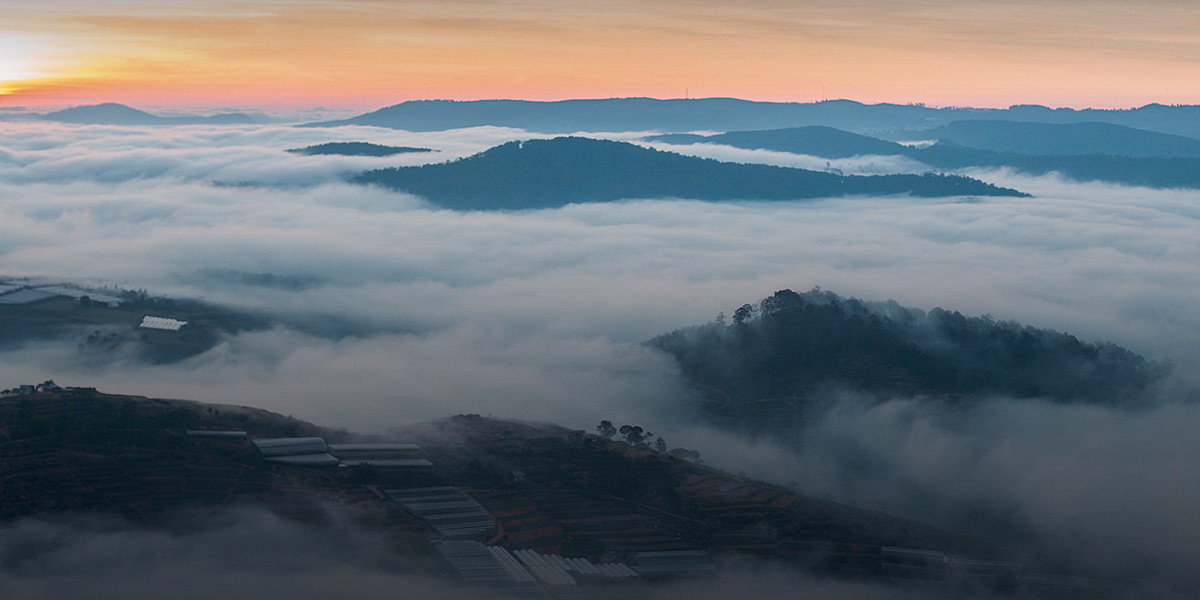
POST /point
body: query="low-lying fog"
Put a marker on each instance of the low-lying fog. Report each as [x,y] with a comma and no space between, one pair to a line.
[251,554]
[538,315]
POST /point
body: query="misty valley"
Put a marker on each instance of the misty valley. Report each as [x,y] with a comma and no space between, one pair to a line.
[601,348]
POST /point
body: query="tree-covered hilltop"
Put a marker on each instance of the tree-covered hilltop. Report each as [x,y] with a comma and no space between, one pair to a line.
[560,171]
[356,149]
[1078,151]
[1148,171]
[1063,139]
[774,358]
[815,140]
[1001,137]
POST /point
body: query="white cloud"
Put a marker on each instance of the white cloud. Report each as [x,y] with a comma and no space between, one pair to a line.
[535,315]
[1104,262]
[855,165]
[240,553]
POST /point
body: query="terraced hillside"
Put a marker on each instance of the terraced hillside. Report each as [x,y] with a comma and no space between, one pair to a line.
[544,488]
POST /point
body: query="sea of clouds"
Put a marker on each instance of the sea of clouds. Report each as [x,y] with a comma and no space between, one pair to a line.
[538,315]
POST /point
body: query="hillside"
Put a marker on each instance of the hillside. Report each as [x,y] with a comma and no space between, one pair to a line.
[1155,172]
[356,149]
[548,173]
[108,113]
[773,362]
[1048,139]
[111,113]
[815,140]
[80,450]
[633,114]
[107,324]
[1002,137]
[1084,152]
[538,487]
[728,114]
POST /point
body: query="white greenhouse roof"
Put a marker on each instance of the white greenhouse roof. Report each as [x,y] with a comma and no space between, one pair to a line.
[306,460]
[582,566]
[163,323]
[449,510]
[477,564]
[290,446]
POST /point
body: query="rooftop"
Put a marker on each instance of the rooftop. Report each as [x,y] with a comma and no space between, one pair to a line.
[163,323]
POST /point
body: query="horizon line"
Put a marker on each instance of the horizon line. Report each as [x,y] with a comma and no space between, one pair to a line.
[55,107]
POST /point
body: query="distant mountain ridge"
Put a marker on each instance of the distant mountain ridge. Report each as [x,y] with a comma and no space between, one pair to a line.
[729,114]
[560,171]
[111,113]
[815,140]
[1154,172]
[1081,151]
[1051,139]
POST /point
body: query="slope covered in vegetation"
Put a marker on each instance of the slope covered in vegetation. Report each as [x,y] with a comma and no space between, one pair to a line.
[777,357]
[549,173]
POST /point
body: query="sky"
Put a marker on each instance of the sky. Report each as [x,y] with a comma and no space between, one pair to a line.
[362,54]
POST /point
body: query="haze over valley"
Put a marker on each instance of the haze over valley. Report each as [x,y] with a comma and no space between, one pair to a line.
[997,351]
[573,300]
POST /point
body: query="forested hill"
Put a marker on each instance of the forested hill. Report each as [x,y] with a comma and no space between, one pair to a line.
[773,358]
[560,171]
[1049,139]
[729,114]
[815,140]
[1079,151]
[356,149]
[111,113]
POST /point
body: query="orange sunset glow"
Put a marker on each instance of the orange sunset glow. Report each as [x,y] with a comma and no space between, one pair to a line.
[371,52]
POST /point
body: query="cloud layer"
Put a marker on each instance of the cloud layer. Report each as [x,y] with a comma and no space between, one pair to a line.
[251,554]
[537,315]
[137,207]
[239,553]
